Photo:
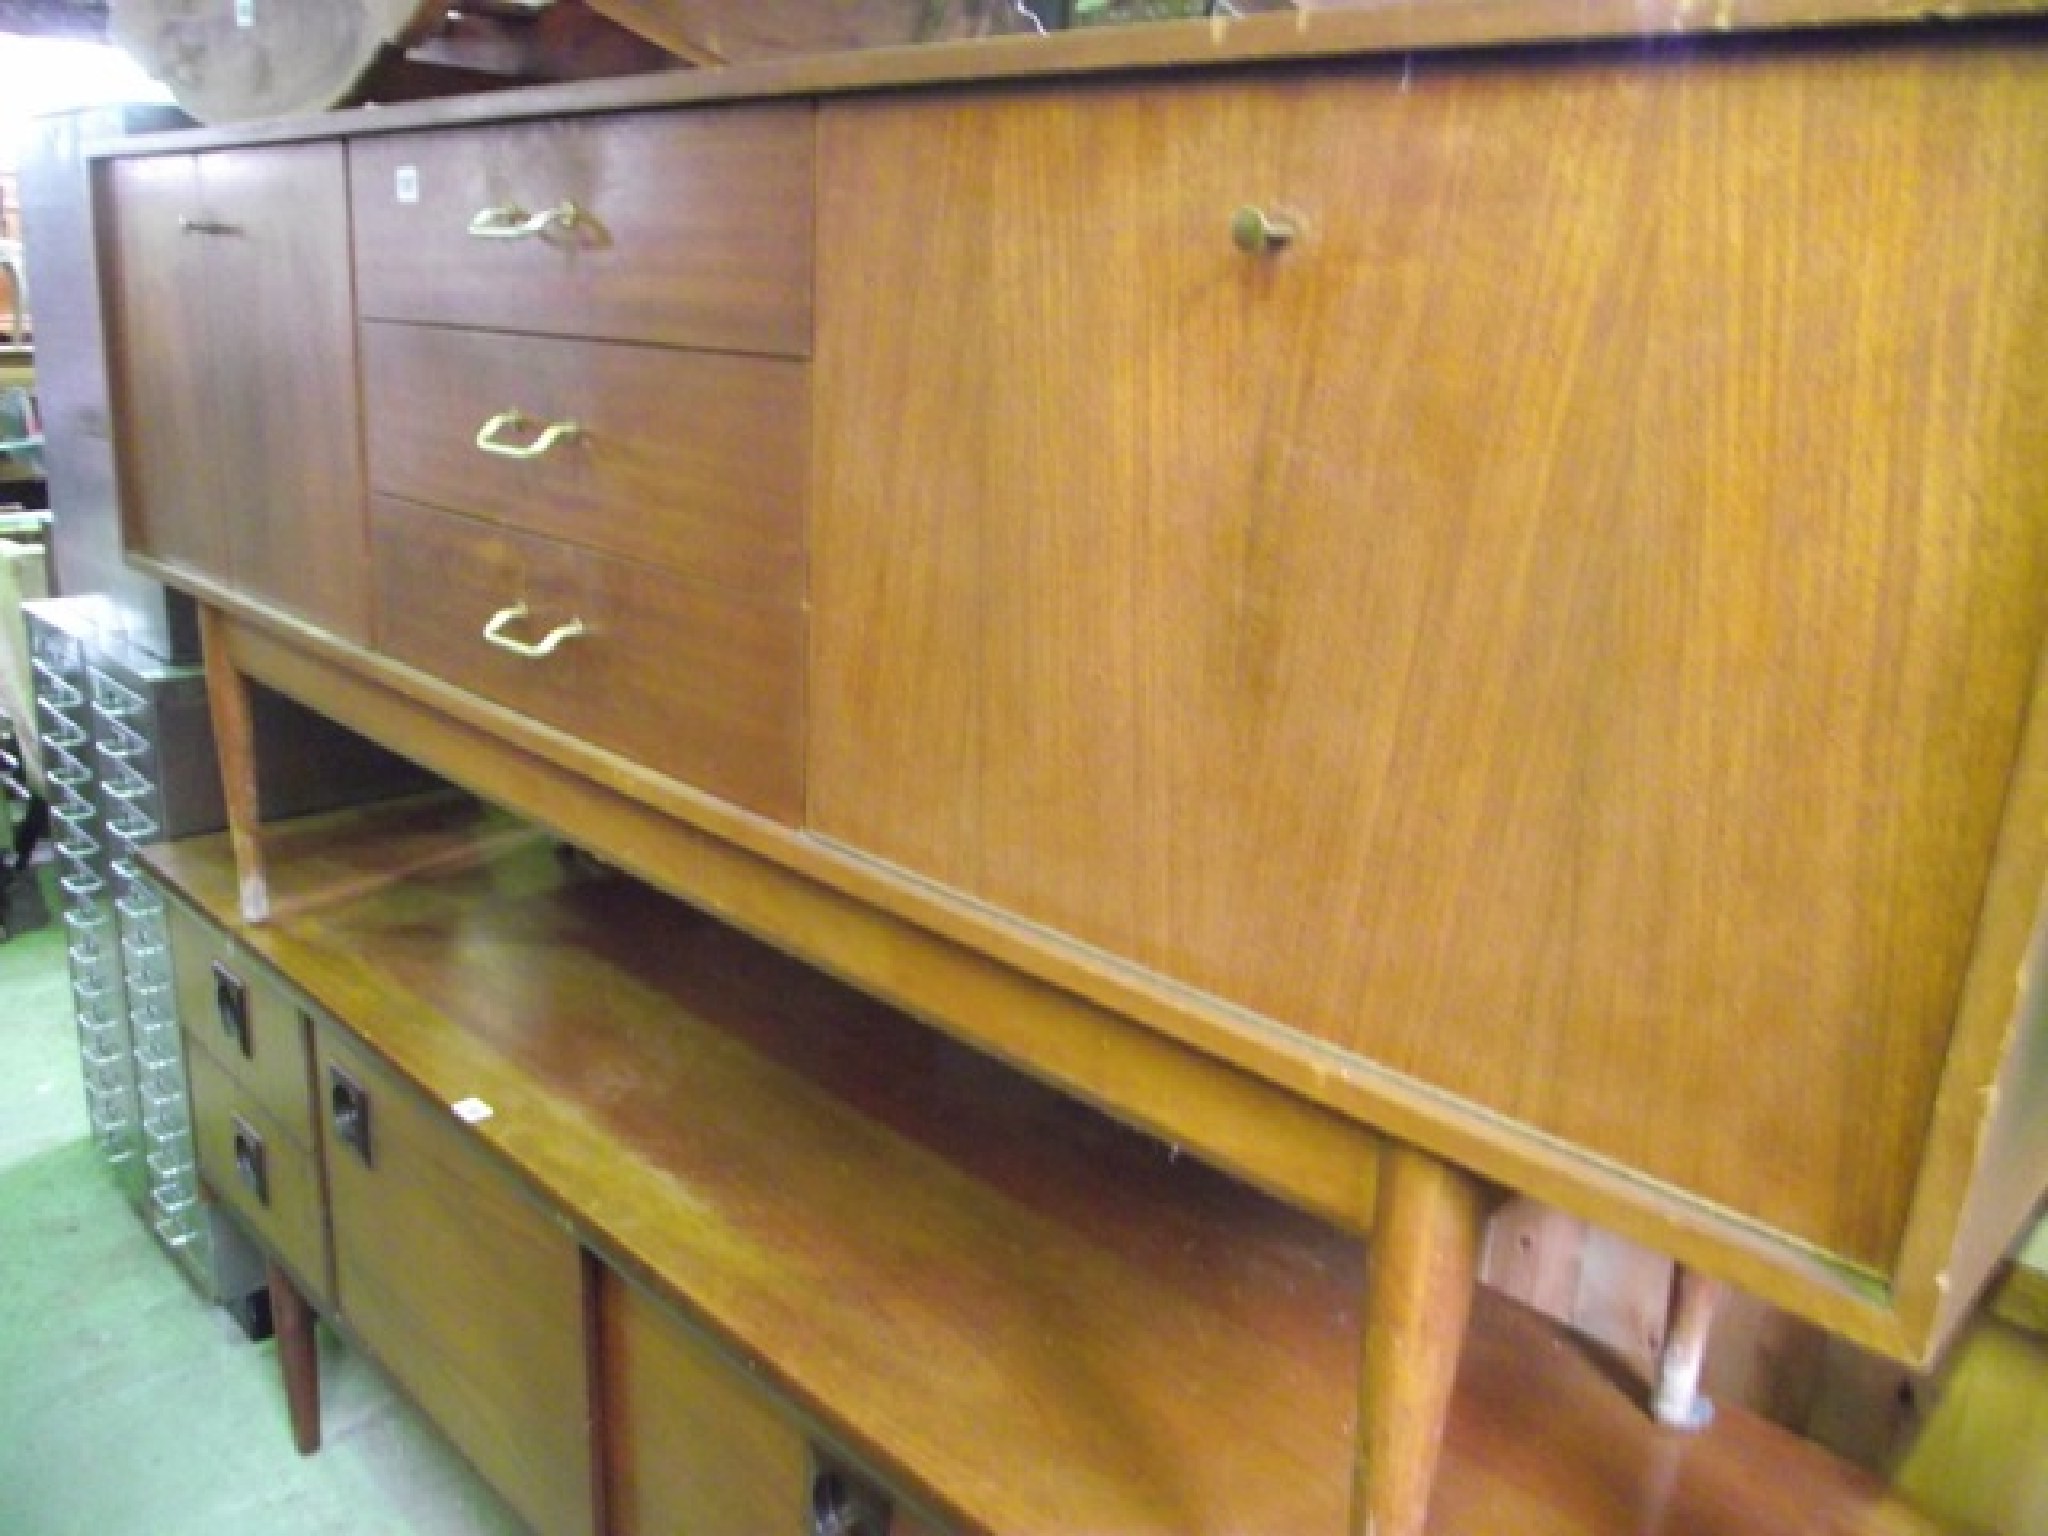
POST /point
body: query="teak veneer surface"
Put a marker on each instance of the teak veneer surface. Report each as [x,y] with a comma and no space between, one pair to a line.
[232,362]
[911,1241]
[1561,630]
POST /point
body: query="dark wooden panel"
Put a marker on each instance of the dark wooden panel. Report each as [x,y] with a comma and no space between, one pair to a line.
[693,680]
[693,1445]
[691,460]
[468,1293]
[289,1217]
[275,1069]
[698,228]
[158,340]
[284,432]
[233,371]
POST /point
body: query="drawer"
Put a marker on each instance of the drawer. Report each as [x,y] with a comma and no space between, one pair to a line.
[693,228]
[466,1290]
[256,1168]
[694,1444]
[691,679]
[236,1015]
[692,460]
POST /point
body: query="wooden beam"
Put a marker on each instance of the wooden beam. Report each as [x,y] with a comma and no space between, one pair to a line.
[234,731]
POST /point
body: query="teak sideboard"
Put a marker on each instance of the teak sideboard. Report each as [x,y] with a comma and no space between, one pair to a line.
[1418,602]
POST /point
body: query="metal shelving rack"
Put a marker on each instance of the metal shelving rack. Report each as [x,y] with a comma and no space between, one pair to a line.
[128,795]
[104,718]
[92,932]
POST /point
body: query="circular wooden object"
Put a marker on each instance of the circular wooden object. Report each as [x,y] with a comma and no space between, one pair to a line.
[230,61]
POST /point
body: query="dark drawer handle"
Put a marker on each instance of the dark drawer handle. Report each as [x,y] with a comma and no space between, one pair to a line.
[251,1165]
[844,1505]
[231,1003]
[348,1108]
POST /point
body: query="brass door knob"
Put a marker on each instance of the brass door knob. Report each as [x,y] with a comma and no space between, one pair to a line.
[1257,232]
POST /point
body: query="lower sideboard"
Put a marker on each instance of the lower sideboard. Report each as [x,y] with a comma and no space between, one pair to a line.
[669,1232]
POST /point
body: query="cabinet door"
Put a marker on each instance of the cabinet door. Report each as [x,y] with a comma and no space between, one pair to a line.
[232,361]
[693,1447]
[159,340]
[466,1290]
[1558,628]
[280,364]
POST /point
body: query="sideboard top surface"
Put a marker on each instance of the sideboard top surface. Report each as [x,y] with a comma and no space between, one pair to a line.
[1367,31]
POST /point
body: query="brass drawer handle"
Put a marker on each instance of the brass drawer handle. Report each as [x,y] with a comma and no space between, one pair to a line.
[532,650]
[508,221]
[1257,232]
[490,436]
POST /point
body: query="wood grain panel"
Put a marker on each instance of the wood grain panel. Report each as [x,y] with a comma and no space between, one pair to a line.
[283,432]
[275,1071]
[1560,630]
[232,364]
[698,230]
[691,1444]
[468,1293]
[695,461]
[157,339]
[292,1220]
[692,679]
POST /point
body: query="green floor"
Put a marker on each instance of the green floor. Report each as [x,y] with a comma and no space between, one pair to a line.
[128,1407]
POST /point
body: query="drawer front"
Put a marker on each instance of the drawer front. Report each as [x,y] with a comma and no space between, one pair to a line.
[693,1444]
[261,1172]
[696,681]
[235,1014]
[691,460]
[692,228]
[468,1292]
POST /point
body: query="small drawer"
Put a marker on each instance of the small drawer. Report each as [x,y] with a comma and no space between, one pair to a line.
[260,1171]
[687,228]
[234,1013]
[693,680]
[691,460]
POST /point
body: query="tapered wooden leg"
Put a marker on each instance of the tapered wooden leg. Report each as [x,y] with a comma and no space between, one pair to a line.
[1678,1403]
[1424,1264]
[298,1354]
[234,734]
